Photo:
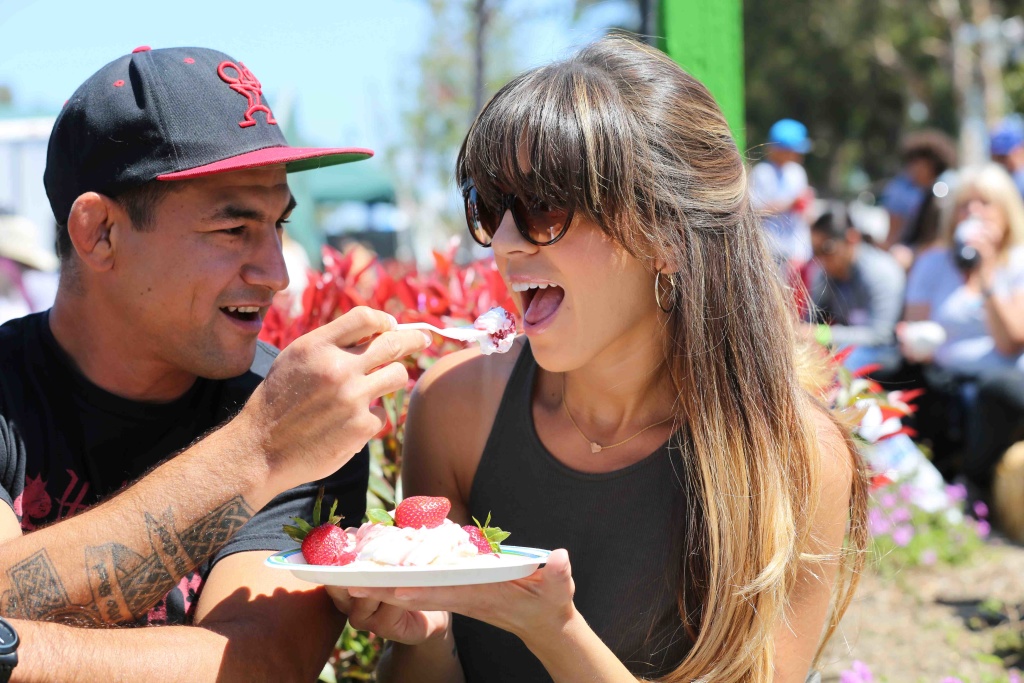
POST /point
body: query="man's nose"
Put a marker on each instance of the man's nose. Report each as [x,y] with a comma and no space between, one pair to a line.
[267,267]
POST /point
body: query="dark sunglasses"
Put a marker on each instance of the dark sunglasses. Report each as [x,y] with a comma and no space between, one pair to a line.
[538,223]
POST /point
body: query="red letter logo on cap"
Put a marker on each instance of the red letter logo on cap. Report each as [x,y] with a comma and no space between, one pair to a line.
[245,84]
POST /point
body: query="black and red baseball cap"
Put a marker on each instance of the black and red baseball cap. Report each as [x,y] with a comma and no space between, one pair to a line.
[168,114]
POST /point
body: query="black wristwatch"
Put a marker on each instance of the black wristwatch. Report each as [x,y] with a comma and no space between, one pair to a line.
[8,650]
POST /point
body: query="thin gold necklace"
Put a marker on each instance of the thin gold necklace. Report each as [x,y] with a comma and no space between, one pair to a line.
[594,446]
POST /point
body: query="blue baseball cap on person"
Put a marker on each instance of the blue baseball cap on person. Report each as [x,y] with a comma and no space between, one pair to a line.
[791,135]
[1007,136]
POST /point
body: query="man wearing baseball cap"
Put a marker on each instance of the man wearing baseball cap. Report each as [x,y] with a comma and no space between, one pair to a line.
[781,193]
[167,175]
[1007,148]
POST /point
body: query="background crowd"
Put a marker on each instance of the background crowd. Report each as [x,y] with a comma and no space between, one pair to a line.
[926,289]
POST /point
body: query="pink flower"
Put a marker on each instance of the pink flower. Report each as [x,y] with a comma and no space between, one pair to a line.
[983,528]
[1015,676]
[903,535]
[888,500]
[980,509]
[951,679]
[928,557]
[857,673]
[900,515]
[956,492]
[878,522]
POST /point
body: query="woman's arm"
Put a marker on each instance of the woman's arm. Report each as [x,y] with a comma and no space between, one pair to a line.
[1004,315]
[797,641]
[1005,318]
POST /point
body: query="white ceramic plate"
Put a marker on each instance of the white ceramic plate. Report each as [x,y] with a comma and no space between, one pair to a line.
[513,563]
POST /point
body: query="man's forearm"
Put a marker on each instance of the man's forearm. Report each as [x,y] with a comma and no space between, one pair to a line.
[113,563]
[189,654]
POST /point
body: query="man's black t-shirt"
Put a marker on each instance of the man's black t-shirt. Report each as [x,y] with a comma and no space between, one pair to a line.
[66,444]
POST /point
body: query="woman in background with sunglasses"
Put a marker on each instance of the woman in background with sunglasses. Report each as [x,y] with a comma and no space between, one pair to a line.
[651,425]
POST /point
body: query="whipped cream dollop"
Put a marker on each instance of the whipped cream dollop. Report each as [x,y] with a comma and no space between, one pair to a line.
[406,547]
[501,330]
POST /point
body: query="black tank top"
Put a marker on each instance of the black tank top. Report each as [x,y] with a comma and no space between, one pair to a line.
[623,531]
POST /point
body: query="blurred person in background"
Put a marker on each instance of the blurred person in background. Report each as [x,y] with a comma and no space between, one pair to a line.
[781,194]
[973,286]
[928,156]
[856,291]
[28,272]
[995,422]
[1007,148]
[902,199]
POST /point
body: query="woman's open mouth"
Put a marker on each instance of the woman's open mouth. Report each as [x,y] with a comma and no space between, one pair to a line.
[540,301]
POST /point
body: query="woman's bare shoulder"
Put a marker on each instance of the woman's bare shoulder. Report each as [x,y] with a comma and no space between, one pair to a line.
[466,378]
[451,413]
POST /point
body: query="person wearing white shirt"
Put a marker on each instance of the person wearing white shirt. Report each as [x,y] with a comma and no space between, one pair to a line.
[780,192]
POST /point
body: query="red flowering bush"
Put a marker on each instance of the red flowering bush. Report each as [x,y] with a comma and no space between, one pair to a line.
[448,295]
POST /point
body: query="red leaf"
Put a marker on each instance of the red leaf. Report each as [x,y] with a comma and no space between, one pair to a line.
[866,370]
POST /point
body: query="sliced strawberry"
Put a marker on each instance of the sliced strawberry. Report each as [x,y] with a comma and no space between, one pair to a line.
[476,535]
[487,539]
[422,512]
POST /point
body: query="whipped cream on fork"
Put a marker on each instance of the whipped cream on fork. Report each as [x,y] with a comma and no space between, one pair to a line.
[500,327]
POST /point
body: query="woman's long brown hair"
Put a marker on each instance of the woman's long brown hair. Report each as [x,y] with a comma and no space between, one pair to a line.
[620,134]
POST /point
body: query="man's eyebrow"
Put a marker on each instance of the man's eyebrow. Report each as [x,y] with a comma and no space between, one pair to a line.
[233,212]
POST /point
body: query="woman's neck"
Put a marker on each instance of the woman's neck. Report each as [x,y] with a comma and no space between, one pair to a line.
[623,389]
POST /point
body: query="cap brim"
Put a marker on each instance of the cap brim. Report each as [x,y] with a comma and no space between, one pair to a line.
[294,158]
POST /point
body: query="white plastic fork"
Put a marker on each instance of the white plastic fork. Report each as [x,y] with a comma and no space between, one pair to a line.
[463,334]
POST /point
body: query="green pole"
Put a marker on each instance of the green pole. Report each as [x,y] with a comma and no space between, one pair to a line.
[705,37]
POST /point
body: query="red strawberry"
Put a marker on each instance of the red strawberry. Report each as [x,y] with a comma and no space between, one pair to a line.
[323,544]
[422,511]
[487,539]
[328,544]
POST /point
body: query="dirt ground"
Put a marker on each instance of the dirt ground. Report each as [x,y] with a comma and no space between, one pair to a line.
[924,624]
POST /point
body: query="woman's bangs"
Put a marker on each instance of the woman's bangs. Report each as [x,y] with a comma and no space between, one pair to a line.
[529,141]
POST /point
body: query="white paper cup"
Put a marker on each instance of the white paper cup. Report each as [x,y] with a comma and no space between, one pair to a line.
[920,339]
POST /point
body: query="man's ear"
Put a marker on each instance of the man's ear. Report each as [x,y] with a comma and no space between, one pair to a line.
[90,224]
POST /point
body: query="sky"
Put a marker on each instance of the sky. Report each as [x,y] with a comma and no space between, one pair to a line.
[350,64]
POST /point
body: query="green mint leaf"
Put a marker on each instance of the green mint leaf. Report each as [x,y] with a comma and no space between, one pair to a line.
[316,507]
[497,535]
[302,524]
[378,516]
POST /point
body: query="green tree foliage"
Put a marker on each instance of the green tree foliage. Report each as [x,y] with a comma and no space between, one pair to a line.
[447,84]
[856,72]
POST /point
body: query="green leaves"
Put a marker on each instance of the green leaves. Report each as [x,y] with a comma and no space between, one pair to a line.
[493,534]
[378,516]
[302,527]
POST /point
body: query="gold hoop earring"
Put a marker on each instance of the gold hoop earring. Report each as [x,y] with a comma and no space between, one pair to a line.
[657,292]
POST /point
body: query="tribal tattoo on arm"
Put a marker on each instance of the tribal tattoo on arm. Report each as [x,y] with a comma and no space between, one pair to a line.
[124,584]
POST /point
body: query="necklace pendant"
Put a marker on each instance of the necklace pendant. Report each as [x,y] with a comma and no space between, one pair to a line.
[595,448]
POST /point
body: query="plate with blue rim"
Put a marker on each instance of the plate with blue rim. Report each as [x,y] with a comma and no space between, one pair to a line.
[514,562]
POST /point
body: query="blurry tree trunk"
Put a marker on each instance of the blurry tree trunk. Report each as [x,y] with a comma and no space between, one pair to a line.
[482,14]
[990,59]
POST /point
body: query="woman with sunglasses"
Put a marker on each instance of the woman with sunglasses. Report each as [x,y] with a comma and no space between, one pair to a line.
[651,425]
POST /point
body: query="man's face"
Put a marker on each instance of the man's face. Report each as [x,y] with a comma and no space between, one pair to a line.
[921,172]
[784,155]
[833,254]
[191,289]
